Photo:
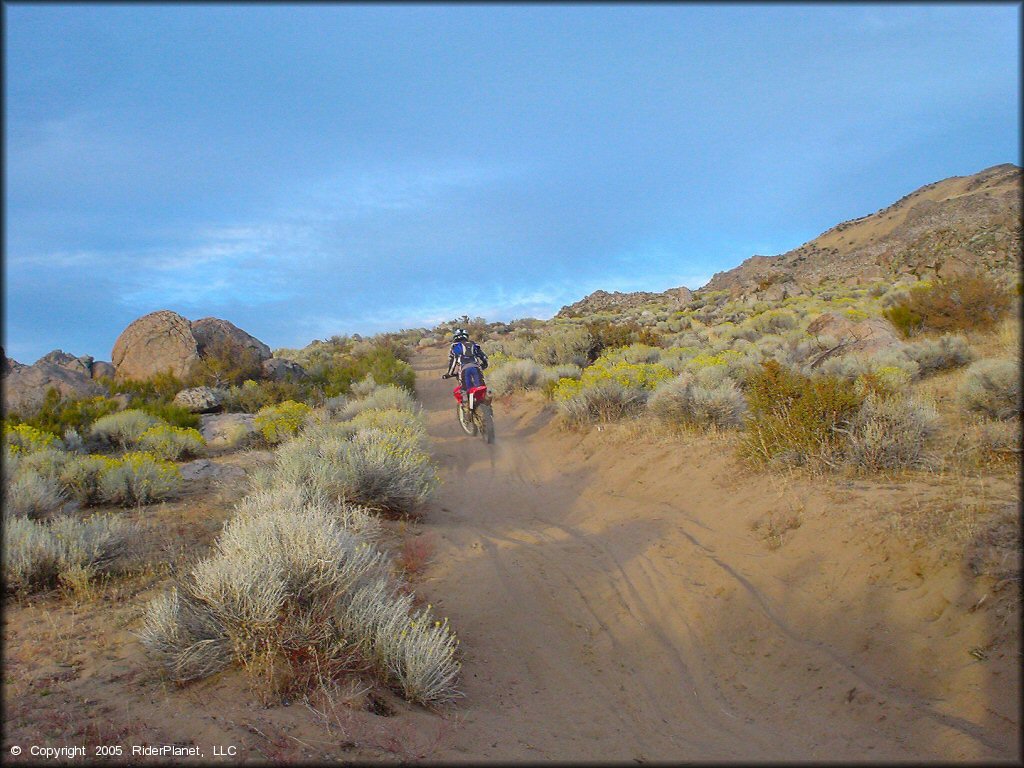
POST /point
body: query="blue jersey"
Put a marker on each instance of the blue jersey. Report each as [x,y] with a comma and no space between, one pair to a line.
[465,353]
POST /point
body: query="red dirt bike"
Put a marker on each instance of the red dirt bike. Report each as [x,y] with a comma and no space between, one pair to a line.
[473,405]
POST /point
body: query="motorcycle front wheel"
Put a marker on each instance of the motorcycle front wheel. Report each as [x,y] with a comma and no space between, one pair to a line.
[466,420]
[485,416]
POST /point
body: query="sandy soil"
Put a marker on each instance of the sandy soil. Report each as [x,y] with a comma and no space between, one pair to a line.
[625,597]
[618,595]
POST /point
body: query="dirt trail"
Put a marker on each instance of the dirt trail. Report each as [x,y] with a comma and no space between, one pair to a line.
[614,603]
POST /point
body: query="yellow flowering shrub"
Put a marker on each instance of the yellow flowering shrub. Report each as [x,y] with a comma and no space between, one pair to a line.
[23,438]
[138,477]
[279,422]
[705,360]
[169,442]
[645,376]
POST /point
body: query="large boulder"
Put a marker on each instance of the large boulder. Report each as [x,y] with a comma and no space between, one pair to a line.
[228,430]
[778,291]
[103,370]
[155,343]
[200,399]
[25,387]
[211,332]
[684,295]
[871,335]
[281,369]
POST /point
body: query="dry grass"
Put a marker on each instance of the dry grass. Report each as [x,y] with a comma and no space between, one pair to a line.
[773,526]
[415,554]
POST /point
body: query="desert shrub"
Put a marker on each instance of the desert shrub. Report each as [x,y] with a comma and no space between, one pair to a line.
[418,651]
[39,555]
[384,469]
[772,321]
[403,423]
[251,396]
[1008,337]
[605,400]
[992,387]
[893,363]
[24,438]
[138,478]
[124,428]
[287,587]
[956,303]
[682,401]
[381,398]
[515,376]
[635,353]
[884,380]
[278,423]
[563,346]
[175,415]
[675,358]
[382,362]
[225,362]
[182,633]
[73,441]
[160,387]
[381,469]
[904,319]
[997,439]
[47,463]
[58,414]
[172,443]
[80,477]
[933,355]
[364,387]
[796,418]
[890,433]
[31,494]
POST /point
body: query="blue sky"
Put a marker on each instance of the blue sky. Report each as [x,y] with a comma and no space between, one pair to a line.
[304,171]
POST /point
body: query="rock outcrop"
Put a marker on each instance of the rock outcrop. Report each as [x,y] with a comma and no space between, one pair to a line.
[617,301]
[199,399]
[281,369]
[9,363]
[227,430]
[103,370]
[159,342]
[964,222]
[81,364]
[210,332]
[867,336]
[25,386]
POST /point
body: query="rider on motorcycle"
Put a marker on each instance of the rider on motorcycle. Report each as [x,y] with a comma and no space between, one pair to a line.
[465,357]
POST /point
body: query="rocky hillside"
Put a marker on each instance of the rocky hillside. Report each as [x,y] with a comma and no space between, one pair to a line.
[964,222]
[616,301]
[939,229]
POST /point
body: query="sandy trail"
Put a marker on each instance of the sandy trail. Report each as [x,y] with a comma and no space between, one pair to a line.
[613,604]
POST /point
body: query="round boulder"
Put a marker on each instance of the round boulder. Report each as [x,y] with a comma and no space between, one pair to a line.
[159,342]
[228,430]
[212,332]
[199,399]
[871,335]
[280,369]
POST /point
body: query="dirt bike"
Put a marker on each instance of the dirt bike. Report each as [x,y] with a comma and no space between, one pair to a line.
[473,406]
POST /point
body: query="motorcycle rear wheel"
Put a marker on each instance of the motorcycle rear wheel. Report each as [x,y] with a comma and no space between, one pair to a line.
[466,420]
[485,416]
